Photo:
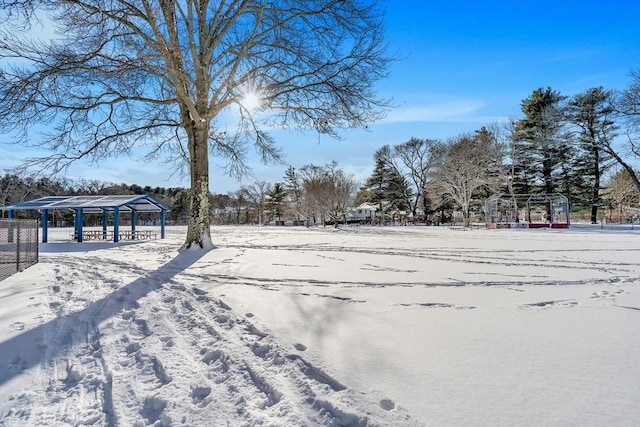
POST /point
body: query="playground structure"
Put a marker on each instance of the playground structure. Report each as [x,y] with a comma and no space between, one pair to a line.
[527,211]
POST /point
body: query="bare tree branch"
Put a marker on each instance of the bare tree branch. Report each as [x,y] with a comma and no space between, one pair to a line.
[121,76]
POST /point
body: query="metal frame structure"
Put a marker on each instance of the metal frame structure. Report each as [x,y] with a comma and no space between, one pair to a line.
[503,210]
[80,205]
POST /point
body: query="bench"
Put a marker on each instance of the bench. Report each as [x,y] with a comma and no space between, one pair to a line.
[137,234]
[122,235]
[94,235]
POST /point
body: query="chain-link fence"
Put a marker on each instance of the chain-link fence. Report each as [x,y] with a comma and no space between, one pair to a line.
[18,245]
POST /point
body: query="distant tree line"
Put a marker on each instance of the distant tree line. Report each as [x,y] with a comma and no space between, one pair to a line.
[585,146]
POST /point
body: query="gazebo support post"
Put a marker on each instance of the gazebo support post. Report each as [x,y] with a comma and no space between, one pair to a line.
[162,220]
[104,224]
[116,224]
[45,220]
[79,221]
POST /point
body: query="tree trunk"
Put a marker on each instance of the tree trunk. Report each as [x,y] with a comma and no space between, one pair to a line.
[595,198]
[425,205]
[466,221]
[199,211]
[594,213]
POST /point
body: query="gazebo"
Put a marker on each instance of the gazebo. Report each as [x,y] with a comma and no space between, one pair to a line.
[80,205]
[527,211]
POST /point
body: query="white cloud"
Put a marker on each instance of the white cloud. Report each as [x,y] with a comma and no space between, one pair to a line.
[454,111]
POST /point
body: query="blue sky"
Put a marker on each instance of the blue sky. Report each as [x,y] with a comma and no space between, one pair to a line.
[465,64]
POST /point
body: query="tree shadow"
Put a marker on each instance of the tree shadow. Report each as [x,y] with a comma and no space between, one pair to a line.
[320,315]
[31,347]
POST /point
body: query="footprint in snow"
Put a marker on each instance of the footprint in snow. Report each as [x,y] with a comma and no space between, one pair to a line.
[17,326]
[546,304]
[387,404]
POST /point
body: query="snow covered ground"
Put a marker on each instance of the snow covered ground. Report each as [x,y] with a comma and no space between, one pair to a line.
[391,326]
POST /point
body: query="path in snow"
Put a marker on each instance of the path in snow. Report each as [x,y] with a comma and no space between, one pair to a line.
[121,341]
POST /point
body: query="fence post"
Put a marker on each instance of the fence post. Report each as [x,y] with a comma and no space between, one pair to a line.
[37,244]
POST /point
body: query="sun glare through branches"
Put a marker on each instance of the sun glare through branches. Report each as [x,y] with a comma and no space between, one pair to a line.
[251,100]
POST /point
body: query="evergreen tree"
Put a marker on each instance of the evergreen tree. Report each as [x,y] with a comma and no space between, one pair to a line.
[276,201]
[374,188]
[180,205]
[387,187]
[294,191]
[539,138]
[574,175]
[398,193]
[591,112]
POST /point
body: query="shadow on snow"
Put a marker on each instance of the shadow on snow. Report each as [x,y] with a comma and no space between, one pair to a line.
[32,348]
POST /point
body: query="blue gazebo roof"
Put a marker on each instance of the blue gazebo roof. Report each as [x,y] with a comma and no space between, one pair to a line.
[128,202]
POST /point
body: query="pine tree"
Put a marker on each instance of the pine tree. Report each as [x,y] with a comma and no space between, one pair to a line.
[276,202]
[386,187]
[591,112]
[539,138]
[376,184]
[398,193]
[295,192]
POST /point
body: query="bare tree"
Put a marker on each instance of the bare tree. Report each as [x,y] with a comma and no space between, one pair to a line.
[628,108]
[239,202]
[623,195]
[312,184]
[158,75]
[417,156]
[467,163]
[506,135]
[340,188]
[256,193]
[12,190]
[329,190]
